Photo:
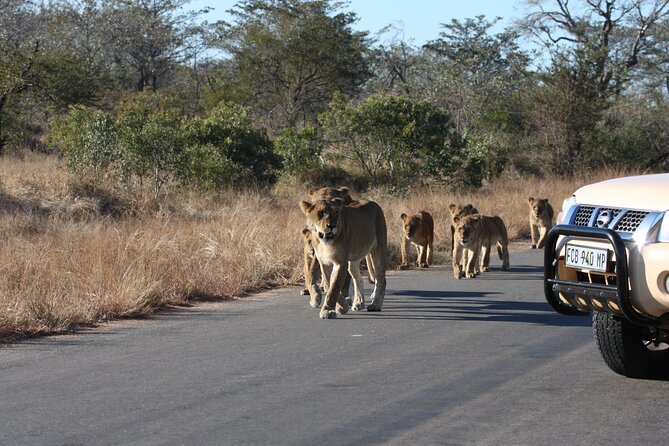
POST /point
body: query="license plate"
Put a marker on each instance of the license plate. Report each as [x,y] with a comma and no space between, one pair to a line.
[584,257]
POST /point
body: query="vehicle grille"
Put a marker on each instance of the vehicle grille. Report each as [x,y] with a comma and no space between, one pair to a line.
[583,215]
[628,222]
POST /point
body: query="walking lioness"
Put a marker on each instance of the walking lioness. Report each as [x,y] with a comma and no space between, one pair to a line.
[311,264]
[342,236]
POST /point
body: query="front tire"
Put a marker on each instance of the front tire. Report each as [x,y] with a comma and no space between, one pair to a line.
[628,349]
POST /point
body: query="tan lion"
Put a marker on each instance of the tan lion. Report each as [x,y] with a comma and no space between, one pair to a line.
[343,235]
[541,220]
[418,230]
[457,211]
[311,265]
[477,233]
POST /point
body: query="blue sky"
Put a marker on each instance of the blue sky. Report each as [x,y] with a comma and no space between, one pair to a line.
[420,20]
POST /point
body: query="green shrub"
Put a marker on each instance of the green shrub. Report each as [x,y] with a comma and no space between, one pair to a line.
[300,152]
[228,128]
[87,139]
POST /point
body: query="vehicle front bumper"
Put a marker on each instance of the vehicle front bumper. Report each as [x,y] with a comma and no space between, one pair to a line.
[573,296]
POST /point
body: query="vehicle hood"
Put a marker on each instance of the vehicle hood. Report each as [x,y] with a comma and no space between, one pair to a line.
[643,192]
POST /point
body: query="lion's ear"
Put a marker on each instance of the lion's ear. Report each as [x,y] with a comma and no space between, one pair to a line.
[305,232]
[403,216]
[530,200]
[546,200]
[306,207]
[452,208]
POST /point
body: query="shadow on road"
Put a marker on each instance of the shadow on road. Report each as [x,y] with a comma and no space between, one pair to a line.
[470,306]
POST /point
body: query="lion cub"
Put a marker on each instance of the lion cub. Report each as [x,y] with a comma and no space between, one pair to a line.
[476,233]
[343,235]
[541,220]
[418,230]
[457,211]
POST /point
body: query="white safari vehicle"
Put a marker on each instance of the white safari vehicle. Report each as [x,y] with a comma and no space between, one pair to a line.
[609,256]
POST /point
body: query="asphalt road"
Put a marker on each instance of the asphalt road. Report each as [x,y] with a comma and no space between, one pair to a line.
[470,362]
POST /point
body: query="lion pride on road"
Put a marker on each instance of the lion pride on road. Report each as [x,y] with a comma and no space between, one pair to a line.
[342,231]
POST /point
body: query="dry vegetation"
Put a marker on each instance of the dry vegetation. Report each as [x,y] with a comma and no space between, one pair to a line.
[73,254]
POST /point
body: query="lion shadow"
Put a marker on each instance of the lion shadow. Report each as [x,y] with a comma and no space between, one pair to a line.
[470,306]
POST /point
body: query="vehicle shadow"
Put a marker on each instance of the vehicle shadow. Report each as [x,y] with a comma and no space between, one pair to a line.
[470,306]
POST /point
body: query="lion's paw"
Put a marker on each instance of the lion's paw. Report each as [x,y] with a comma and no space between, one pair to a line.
[304,292]
[359,306]
[342,309]
[403,266]
[534,246]
[424,265]
[328,314]
[373,307]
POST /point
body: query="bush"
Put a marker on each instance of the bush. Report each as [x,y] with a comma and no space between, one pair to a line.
[206,167]
[300,152]
[393,138]
[152,139]
[87,139]
[228,129]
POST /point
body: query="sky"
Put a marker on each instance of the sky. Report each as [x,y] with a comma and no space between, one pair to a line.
[419,20]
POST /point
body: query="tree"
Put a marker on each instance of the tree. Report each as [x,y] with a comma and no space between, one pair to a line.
[20,52]
[290,56]
[151,38]
[614,35]
[595,45]
[564,108]
[396,65]
[474,73]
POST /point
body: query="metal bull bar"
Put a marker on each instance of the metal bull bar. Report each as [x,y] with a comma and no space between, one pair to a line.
[618,293]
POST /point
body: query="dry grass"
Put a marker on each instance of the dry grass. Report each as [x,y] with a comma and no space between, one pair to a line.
[74,255]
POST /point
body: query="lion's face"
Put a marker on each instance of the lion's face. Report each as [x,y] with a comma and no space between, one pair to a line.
[459,211]
[466,229]
[411,225]
[324,216]
[538,207]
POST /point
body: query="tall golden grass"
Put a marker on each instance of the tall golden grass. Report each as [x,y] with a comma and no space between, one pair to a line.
[74,255]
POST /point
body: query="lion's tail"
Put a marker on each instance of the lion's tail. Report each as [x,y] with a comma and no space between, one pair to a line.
[370,269]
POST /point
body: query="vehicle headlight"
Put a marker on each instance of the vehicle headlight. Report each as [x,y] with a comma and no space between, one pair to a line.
[566,205]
